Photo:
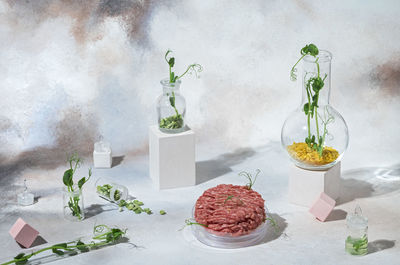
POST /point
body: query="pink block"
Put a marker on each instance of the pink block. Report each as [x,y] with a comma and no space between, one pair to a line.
[322,207]
[23,233]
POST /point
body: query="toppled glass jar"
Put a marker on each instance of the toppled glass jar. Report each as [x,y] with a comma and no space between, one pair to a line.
[112,192]
[357,230]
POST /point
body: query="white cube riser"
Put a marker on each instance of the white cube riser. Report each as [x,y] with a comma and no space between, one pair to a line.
[102,160]
[172,158]
[305,186]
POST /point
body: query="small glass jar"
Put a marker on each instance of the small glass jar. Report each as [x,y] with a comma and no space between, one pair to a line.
[171,108]
[357,233]
[73,204]
[112,192]
[25,198]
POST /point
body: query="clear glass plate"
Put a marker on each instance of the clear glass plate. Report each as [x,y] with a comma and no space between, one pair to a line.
[227,241]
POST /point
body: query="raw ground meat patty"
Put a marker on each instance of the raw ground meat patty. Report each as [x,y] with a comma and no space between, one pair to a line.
[230,209]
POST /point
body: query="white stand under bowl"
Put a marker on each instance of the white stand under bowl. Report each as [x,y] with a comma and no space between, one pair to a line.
[172,158]
[305,186]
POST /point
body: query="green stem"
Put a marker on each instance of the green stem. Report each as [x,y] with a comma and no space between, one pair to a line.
[75,206]
[192,65]
[76,166]
[176,111]
[316,122]
[294,66]
[308,125]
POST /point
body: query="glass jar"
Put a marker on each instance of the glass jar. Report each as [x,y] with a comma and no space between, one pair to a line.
[73,204]
[171,108]
[112,192]
[315,135]
[357,231]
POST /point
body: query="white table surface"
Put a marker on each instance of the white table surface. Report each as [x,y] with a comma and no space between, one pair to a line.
[304,240]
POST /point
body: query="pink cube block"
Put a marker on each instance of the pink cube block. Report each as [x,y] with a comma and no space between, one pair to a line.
[23,233]
[322,207]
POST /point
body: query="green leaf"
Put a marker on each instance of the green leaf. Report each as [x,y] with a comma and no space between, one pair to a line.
[81,182]
[306,108]
[19,256]
[21,262]
[171,62]
[56,248]
[317,84]
[81,246]
[310,49]
[122,203]
[172,101]
[67,178]
[172,77]
[109,238]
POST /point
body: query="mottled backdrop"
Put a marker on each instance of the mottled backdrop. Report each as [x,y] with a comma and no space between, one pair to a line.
[73,71]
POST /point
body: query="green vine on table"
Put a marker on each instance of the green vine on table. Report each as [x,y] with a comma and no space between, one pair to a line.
[313,85]
[103,235]
[176,121]
[74,163]
[134,205]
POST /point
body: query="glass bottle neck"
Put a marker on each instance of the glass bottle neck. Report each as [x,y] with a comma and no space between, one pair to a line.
[168,87]
[319,66]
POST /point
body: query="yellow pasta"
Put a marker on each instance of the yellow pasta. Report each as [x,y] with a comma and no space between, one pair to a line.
[307,155]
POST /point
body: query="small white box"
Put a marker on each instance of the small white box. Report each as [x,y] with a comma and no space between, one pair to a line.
[305,186]
[172,158]
[102,156]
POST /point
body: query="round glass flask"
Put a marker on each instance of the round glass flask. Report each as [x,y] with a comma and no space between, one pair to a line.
[171,108]
[315,135]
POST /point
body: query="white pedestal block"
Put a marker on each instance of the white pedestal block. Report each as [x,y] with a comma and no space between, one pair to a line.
[305,186]
[102,155]
[172,158]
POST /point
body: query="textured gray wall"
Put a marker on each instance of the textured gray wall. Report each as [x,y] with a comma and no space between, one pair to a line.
[72,70]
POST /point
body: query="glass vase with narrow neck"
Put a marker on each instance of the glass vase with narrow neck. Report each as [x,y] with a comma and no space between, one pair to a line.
[171,108]
[315,135]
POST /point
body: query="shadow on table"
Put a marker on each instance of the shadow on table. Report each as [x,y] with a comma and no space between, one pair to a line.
[336,215]
[96,209]
[116,160]
[38,241]
[368,182]
[274,232]
[379,245]
[209,169]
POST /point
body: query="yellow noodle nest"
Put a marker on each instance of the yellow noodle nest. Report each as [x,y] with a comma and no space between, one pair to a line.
[303,153]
